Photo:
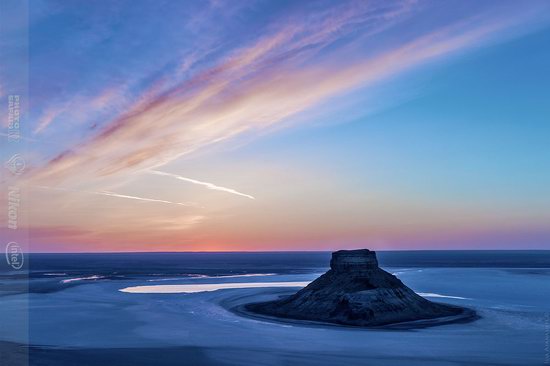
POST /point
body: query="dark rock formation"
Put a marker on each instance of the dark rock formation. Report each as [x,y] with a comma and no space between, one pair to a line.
[355,291]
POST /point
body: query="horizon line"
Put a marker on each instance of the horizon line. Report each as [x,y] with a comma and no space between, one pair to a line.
[294,251]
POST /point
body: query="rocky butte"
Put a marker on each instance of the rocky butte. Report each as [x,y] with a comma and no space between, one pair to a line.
[356,291]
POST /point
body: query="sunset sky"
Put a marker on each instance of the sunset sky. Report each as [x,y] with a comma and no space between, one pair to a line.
[286,125]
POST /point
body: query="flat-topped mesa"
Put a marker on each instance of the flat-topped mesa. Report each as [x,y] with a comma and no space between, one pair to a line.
[355,291]
[353,260]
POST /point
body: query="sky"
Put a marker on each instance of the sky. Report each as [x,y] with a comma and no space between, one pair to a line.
[282,125]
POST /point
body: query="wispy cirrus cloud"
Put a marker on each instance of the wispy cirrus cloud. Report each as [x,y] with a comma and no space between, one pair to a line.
[48,117]
[82,108]
[243,91]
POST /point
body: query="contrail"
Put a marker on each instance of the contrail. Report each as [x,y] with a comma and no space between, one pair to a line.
[113,194]
[206,184]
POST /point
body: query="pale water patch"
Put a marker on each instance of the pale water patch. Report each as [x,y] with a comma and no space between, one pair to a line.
[187,289]
[431,294]
[194,288]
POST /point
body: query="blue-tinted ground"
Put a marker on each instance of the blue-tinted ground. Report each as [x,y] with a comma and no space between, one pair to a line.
[78,316]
